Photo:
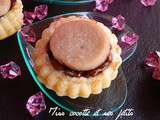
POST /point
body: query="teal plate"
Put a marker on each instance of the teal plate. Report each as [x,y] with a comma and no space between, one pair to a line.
[65,2]
[111,99]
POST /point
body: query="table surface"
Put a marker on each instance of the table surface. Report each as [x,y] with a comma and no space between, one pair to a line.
[143,91]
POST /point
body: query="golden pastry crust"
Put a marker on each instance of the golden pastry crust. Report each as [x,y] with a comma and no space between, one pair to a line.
[12,21]
[73,87]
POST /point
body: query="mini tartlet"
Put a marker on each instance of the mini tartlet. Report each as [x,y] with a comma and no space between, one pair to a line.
[77,57]
[11,17]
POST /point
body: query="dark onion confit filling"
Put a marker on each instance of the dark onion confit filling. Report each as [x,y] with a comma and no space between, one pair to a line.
[74,73]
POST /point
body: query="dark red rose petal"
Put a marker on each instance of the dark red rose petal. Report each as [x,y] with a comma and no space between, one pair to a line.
[10,70]
[36,104]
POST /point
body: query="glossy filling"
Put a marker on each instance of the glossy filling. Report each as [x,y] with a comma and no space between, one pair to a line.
[74,73]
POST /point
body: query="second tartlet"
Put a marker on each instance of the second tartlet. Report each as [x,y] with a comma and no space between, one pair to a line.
[11,17]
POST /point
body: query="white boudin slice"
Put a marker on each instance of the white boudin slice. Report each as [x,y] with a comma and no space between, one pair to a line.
[4,6]
[81,44]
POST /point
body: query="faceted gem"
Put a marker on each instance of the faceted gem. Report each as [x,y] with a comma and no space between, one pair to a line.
[148,2]
[129,38]
[28,17]
[10,70]
[152,60]
[28,35]
[102,5]
[118,22]
[36,104]
[152,63]
[41,11]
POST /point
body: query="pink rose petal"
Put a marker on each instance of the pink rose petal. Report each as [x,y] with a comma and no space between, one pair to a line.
[10,70]
[36,104]
[129,38]
[102,5]
[118,22]
[148,2]
[152,63]
[28,35]
[41,11]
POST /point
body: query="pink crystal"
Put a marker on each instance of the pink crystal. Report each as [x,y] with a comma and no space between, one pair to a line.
[118,22]
[148,2]
[28,17]
[102,5]
[41,11]
[129,38]
[10,70]
[28,35]
[36,104]
[152,60]
[152,63]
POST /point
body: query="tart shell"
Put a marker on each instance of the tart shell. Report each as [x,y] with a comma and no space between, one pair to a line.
[12,21]
[73,87]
